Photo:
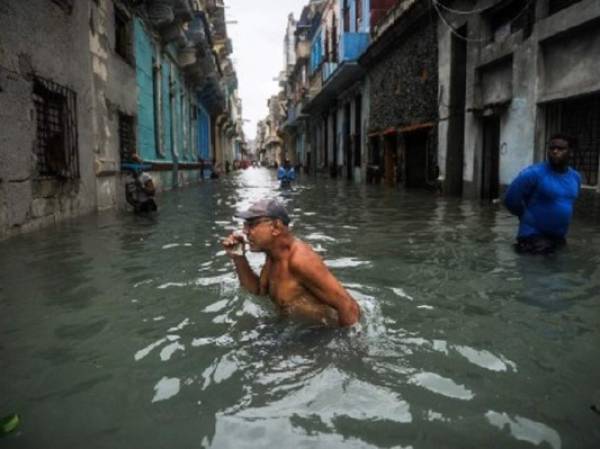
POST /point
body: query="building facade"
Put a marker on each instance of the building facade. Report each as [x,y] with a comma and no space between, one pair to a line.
[511,75]
[98,81]
[401,67]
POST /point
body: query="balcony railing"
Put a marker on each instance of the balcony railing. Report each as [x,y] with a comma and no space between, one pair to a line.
[354,45]
[327,70]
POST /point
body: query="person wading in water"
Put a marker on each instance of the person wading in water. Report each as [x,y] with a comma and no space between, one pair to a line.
[542,196]
[294,275]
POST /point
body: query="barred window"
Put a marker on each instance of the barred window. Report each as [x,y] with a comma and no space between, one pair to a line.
[126,136]
[359,14]
[510,17]
[580,119]
[56,129]
[124,35]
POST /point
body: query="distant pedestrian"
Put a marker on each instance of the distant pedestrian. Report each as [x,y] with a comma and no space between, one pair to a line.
[542,196]
[202,167]
[286,174]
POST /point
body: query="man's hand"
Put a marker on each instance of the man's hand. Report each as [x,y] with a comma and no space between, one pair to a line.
[234,245]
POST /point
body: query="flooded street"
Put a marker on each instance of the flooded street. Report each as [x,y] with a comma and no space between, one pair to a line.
[132,332]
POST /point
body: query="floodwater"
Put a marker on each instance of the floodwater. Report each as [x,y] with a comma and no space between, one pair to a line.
[119,331]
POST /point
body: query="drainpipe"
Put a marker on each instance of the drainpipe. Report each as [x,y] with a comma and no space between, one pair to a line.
[173,115]
[158,122]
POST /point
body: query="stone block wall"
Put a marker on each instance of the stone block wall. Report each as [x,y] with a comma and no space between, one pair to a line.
[403,84]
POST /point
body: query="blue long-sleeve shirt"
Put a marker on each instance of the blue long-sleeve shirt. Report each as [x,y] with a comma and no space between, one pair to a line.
[543,200]
[286,175]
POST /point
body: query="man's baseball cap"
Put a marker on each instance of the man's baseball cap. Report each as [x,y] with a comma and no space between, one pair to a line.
[266,208]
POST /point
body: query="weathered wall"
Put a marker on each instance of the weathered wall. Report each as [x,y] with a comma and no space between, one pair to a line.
[403,85]
[558,60]
[35,36]
[114,91]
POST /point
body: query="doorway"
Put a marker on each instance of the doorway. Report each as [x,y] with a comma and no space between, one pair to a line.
[390,159]
[358,132]
[490,158]
[456,114]
[347,143]
[416,159]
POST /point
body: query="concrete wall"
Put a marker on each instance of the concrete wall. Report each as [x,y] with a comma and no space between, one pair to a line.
[515,77]
[34,38]
[114,91]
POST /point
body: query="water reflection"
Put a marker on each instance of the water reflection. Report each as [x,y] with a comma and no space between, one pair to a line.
[461,342]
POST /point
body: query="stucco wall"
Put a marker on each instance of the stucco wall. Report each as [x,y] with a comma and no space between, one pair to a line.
[114,91]
[35,36]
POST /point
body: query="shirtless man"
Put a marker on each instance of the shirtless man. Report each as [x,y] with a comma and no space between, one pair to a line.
[294,276]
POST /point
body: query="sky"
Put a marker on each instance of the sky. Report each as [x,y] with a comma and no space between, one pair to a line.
[258,51]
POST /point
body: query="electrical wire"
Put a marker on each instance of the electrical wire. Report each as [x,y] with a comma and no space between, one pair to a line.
[454,31]
[457,11]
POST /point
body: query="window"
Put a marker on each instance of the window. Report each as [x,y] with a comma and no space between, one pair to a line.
[511,17]
[359,13]
[124,35]
[580,119]
[126,136]
[334,42]
[556,5]
[56,129]
[346,13]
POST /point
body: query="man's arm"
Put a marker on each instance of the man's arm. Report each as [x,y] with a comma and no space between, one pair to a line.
[248,278]
[520,191]
[312,273]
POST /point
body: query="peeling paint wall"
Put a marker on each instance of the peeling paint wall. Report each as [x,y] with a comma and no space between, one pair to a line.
[114,92]
[144,59]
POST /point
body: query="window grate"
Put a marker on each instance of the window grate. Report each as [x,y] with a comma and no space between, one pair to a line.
[56,133]
[580,119]
[126,136]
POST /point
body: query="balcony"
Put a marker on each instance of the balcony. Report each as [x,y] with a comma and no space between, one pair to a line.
[327,70]
[353,45]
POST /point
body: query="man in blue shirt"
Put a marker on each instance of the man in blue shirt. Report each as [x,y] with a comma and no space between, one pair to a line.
[286,174]
[542,196]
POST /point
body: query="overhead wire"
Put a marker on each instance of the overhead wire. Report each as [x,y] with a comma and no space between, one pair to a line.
[436,5]
[458,11]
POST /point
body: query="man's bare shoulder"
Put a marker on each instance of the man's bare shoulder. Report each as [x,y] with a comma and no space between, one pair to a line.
[302,254]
